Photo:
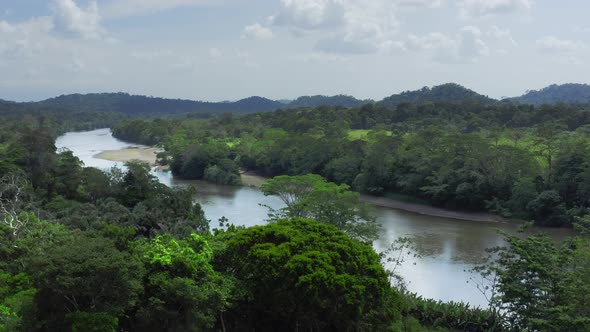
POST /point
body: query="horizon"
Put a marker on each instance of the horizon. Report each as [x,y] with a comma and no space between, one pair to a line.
[282,49]
[284,99]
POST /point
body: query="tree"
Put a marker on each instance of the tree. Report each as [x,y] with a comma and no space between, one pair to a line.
[12,193]
[302,275]
[86,274]
[541,285]
[182,291]
[547,209]
[312,196]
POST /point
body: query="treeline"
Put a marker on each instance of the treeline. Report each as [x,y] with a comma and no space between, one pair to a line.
[55,119]
[516,160]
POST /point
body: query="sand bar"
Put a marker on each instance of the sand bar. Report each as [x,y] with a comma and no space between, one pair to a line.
[147,155]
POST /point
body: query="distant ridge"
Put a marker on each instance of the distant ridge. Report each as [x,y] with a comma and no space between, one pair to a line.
[155,106]
[564,93]
[135,104]
[449,92]
[319,100]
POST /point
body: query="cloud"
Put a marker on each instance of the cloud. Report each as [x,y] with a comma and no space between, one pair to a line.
[310,14]
[215,53]
[482,8]
[465,46]
[257,31]
[503,35]
[341,26]
[420,3]
[74,19]
[344,46]
[128,8]
[551,44]
[25,39]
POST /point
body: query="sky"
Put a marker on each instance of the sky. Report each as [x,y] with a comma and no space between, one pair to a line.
[218,50]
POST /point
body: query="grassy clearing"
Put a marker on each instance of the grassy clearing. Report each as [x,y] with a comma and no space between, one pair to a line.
[363,134]
[230,142]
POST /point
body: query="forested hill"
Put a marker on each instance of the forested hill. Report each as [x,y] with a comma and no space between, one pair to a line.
[135,105]
[449,92]
[339,100]
[564,93]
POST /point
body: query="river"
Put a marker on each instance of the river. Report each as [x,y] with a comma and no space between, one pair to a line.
[448,248]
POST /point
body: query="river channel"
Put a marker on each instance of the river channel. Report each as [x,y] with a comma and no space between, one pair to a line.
[448,248]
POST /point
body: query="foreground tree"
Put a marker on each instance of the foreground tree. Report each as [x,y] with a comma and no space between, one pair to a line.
[81,279]
[182,291]
[302,275]
[540,285]
[312,196]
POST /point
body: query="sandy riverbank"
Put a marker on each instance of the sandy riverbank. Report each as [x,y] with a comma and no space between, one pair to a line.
[431,210]
[144,154]
[251,179]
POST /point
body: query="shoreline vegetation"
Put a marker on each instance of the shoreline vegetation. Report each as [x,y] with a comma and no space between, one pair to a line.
[252,179]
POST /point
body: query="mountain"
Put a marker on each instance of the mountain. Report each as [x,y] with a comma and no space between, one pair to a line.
[144,105]
[256,104]
[133,104]
[564,93]
[319,100]
[449,92]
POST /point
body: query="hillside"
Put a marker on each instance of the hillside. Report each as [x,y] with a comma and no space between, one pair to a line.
[564,93]
[133,105]
[319,100]
[449,92]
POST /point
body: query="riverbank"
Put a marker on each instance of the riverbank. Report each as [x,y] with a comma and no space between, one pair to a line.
[252,179]
[428,210]
[143,154]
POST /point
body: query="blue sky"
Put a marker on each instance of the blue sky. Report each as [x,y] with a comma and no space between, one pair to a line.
[229,49]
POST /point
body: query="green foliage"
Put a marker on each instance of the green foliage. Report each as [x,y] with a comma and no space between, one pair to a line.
[542,286]
[226,171]
[312,196]
[73,277]
[183,292]
[453,315]
[302,274]
[547,209]
[93,322]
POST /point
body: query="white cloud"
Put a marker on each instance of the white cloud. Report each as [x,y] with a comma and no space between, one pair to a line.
[503,35]
[152,55]
[215,53]
[342,26]
[420,3]
[257,31]
[344,46]
[25,39]
[74,19]
[465,46]
[127,8]
[481,8]
[551,44]
[310,14]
